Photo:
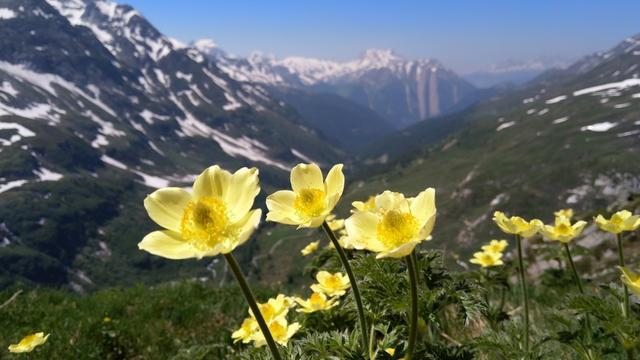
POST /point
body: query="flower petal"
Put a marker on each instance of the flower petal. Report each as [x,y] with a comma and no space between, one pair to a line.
[334,185]
[390,200]
[361,230]
[306,176]
[165,206]
[240,195]
[423,206]
[280,205]
[401,251]
[249,226]
[167,244]
[213,182]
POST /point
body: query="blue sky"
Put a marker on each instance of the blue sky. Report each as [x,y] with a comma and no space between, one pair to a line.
[464,35]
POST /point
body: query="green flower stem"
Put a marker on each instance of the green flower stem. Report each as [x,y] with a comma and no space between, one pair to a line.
[525,295]
[246,290]
[413,330]
[354,286]
[576,277]
[625,304]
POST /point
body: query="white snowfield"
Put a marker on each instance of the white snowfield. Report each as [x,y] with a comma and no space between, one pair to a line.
[505,125]
[556,99]
[599,127]
[41,174]
[620,85]
[6,14]
[22,132]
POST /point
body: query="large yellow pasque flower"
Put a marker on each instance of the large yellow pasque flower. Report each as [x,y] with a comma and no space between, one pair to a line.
[495,246]
[517,225]
[331,284]
[281,331]
[316,302]
[214,218]
[395,226]
[29,342]
[487,258]
[311,200]
[631,279]
[621,221]
[563,230]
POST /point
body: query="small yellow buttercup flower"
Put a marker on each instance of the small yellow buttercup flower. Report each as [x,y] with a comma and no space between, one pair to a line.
[563,230]
[275,307]
[395,226]
[311,200]
[568,213]
[247,329]
[281,331]
[316,302]
[621,221]
[331,284]
[487,258]
[517,225]
[29,342]
[213,219]
[309,249]
[631,279]
[495,246]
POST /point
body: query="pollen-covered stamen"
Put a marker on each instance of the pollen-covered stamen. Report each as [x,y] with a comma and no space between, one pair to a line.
[205,223]
[310,202]
[397,228]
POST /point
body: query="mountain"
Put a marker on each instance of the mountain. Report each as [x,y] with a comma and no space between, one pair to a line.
[569,139]
[97,109]
[400,90]
[513,72]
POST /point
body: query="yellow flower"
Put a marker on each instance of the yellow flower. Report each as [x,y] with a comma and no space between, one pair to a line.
[621,221]
[275,307]
[247,330]
[517,225]
[568,213]
[310,248]
[331,284]
[316,302]
[311,200]
[395,226]
[487,259]
[279,329]
[390,351]
[496,246]
[631,279]
[563,230]
[106,319]
[29,342]
[214,218]
[334,223]
[368,205]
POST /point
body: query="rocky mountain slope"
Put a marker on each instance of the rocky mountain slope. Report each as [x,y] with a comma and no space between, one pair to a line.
[97,109]
[400,90]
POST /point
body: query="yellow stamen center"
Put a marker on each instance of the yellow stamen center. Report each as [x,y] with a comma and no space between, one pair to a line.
[563,229]
[316,300]
[205,223]
[310,202]
[397,228]
[333,282]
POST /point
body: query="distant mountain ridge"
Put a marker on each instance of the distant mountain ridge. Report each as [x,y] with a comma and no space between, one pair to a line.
[402,91]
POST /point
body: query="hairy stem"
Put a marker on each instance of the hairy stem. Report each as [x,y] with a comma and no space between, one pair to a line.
[246,290]
[525,295]
[576,278]
[354,286]
[625,304]
[413,330]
